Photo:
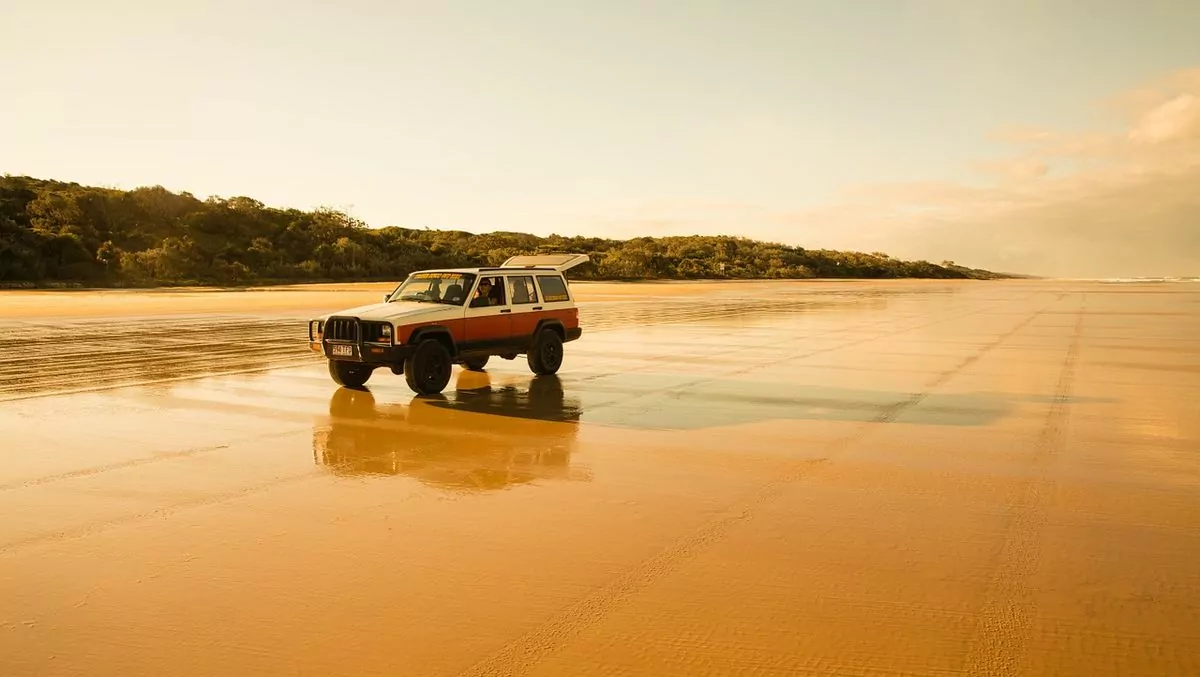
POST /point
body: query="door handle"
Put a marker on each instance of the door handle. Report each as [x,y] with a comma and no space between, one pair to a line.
[537,308]
[506,310]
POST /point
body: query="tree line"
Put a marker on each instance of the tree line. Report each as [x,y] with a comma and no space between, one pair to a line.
[55,232]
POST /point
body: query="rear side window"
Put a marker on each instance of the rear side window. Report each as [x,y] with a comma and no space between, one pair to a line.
[521,289]
[553,288]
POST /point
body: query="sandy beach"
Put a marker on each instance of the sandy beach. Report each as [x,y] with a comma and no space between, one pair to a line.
[785,478]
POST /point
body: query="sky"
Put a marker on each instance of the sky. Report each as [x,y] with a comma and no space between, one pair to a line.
[1055,138]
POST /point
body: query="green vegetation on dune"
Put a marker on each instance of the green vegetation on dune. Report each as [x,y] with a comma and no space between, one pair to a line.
[55,232]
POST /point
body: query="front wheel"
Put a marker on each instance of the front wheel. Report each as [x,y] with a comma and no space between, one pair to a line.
[349,374]
[546,354]
[427,371]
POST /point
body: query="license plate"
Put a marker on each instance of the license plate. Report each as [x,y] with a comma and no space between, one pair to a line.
[342,350]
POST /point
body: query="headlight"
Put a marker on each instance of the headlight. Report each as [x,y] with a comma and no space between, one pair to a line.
[314,329]
[386,332]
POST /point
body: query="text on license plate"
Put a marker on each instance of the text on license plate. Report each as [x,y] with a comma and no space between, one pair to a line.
[343,350]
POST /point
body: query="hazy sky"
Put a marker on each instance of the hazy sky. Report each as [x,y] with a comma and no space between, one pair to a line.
[1048,137]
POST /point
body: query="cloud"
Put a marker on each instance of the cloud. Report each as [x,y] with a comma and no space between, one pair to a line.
[1122,201]
[1177,119]
[1065,203]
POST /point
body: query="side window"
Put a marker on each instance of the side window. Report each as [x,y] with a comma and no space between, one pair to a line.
[490,292]
[553,288]
[522,290]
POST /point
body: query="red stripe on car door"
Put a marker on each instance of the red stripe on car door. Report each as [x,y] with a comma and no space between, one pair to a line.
[488,328]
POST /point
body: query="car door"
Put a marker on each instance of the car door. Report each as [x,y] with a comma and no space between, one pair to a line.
[527,309]
[488,317]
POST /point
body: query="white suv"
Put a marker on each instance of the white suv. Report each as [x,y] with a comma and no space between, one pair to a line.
[440,317]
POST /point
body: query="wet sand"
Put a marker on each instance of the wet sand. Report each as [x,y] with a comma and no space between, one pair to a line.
[835,478]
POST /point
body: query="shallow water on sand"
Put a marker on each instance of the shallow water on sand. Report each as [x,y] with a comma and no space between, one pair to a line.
[756,479]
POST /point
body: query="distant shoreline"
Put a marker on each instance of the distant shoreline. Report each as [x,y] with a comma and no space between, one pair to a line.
[62,235]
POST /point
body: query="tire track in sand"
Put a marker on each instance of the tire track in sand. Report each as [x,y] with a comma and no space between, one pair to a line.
[524,653]
[157,457]
[217,498]
[754,365]
[999,640]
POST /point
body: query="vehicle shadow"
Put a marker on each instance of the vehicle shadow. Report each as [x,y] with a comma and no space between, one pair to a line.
[475,438]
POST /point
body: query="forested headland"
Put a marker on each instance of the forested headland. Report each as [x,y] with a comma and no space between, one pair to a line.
[54,233]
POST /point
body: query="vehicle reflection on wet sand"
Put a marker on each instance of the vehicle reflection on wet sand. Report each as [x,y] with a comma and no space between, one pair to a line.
[517,434]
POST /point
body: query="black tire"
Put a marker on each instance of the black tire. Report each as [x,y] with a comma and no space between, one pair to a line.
[546,354]
[428,370]
[476,363]
[349,374]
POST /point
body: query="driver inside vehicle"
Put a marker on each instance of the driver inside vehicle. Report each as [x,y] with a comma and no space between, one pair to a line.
[485,294]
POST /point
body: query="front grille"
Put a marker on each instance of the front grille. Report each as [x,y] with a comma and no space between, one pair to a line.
[340,329]
[372,332]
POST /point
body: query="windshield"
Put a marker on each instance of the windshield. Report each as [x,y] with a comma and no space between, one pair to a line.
[448,288]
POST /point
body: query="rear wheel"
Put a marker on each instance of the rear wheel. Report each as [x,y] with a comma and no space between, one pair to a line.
[349,374]
[546,354]
[427,371]
[476,363]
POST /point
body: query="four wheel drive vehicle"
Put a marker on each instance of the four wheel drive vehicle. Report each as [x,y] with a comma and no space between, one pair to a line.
[437,318]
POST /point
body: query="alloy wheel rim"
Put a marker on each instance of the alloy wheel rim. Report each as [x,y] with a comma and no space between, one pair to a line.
[433,370]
